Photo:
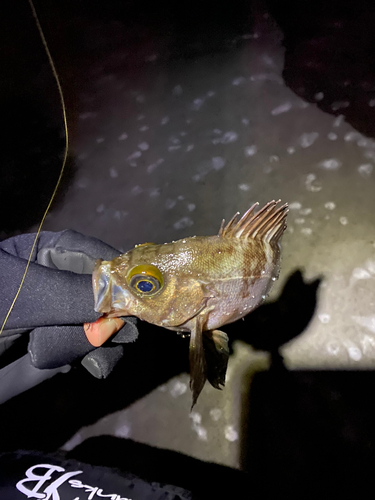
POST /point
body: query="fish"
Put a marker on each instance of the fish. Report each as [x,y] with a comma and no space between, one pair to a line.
[198,284]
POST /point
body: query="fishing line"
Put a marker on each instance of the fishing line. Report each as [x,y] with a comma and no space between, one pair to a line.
[57,79]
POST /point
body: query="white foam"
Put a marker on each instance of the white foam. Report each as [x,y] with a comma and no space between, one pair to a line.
[283,108]
[230,433]
[295,205]
[183,223]
[343,221]
[215,414]
[178,389]
[366,170]
[239,81]
[251,150]
[355,353]
[330,164]
[330,205]
[143,146]
[307,139]
[324,318]
[360,274]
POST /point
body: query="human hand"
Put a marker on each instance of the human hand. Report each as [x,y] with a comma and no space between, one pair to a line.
[55,301]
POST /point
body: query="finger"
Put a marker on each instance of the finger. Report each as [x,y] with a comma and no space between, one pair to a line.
[101,330]
[54,346]
[101,361]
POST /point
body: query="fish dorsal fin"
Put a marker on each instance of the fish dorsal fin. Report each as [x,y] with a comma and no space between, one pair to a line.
[268,224]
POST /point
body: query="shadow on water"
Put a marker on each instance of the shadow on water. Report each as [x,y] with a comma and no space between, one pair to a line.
[310,432]
[276,323]
[306,432]
[329,55]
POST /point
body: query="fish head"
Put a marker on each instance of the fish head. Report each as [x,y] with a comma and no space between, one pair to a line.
[153,282]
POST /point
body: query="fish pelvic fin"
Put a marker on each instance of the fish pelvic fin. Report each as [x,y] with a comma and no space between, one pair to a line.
[268,224]
[198,369]
[217,355]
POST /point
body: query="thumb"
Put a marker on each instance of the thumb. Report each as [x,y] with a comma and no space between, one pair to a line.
[101,330]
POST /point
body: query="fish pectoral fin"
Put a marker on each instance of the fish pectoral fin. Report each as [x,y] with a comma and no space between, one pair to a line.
[217,354]
[197,359]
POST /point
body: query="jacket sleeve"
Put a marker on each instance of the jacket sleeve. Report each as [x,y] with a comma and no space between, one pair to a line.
[52,294]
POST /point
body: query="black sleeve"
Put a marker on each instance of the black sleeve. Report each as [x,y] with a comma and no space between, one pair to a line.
[51,294]
[48,296]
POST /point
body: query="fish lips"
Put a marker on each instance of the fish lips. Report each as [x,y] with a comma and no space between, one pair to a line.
[109,297]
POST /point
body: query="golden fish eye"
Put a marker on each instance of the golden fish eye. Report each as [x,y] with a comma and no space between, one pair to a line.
[146,279]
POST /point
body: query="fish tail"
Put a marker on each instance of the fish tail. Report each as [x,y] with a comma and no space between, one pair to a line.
[268,224]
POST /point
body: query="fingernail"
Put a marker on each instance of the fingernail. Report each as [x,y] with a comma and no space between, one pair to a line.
[106,329]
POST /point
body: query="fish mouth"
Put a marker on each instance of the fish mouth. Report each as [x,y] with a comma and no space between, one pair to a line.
[109,298]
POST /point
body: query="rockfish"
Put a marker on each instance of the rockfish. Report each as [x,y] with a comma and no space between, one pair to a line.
[197,284]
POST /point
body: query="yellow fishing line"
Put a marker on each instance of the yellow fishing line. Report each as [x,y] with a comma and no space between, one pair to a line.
[63,163]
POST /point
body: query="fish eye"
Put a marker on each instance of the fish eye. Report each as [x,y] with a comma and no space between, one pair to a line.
[146,279]
[144,284]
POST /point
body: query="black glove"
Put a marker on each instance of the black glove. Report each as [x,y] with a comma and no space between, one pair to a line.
[55,300]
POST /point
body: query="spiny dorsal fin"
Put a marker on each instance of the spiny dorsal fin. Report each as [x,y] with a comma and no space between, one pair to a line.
[267,224]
